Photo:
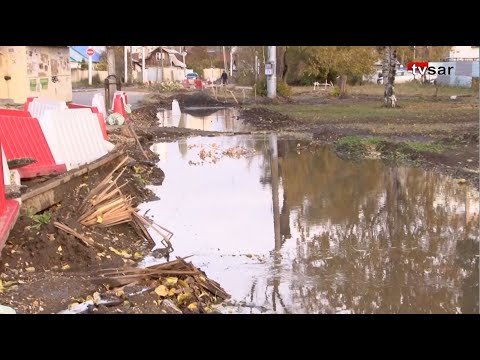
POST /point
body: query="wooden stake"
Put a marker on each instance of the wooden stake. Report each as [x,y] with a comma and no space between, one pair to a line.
[132,130]
[231,92]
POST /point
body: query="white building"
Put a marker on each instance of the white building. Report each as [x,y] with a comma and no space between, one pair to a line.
[460,53]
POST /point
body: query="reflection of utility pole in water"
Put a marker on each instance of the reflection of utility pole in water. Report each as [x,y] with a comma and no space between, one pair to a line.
[276,212]
[276,298]
[183,147]
[276,206]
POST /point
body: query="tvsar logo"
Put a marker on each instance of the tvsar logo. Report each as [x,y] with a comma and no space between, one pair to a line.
[429,68]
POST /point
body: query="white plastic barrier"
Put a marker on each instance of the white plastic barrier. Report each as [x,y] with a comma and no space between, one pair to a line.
[122,95]
[74,136]
[6,171]
[98,101]
[38,106]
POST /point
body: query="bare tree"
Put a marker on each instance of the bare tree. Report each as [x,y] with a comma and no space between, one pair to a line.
[389,68]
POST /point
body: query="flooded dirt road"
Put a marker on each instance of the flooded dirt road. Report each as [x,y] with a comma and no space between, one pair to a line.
[206,119]
[289,230]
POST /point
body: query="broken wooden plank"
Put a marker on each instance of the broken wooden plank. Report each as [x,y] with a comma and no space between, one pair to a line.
[231,92]
[85,240]
[132,130]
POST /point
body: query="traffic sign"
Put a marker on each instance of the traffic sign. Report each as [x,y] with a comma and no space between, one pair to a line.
[90,52]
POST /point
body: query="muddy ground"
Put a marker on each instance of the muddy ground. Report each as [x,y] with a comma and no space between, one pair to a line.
[43,270]
[457,132]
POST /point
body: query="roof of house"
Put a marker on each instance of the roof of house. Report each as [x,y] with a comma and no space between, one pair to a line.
[171,54]
[77,53]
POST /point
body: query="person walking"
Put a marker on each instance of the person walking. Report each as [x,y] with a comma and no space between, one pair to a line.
[224,78]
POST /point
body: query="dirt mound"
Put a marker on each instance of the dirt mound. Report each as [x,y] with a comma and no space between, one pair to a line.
[264,119]
[198,99]
[35,242]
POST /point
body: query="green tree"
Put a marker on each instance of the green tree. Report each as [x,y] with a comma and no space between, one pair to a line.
[83,65]
[202,57]
[309,63]
[325,62]
[407,54]
[102,64]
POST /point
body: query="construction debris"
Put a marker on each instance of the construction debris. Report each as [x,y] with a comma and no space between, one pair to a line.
[178,281]
[85,240]
[106,206]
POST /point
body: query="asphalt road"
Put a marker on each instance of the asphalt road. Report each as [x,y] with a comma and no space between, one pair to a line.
[84,97]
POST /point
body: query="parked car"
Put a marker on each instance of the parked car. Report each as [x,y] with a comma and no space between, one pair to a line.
[401,76]
[193,76]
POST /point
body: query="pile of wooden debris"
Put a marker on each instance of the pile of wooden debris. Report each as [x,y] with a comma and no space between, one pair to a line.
[106,206]
[176,287]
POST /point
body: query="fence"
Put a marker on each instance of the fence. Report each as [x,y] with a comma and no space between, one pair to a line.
[169,73]
[82,75]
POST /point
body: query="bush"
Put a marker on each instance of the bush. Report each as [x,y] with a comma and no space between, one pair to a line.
[261,87]
[282,88]
[167,86]
[335,92]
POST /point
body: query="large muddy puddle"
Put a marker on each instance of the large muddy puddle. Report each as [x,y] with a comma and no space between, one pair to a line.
[288,230]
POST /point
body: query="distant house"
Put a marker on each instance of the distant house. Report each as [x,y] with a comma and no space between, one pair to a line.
[463,53]
[35,71]
[465,63]
[164,64]
[169,57]
[78,54]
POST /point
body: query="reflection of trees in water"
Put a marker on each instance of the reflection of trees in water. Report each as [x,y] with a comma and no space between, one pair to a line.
[371,238]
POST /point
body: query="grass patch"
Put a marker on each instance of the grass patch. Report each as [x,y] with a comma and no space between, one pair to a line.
[412,89]
[424,146]
[357,146]
[412,111]
[407,89]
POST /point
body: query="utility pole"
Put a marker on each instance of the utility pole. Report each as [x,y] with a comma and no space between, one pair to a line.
[111,71]
[125,60]
[224,59]
[256,67]
[231,61]
[143,65]
[271,74]
[131,64]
